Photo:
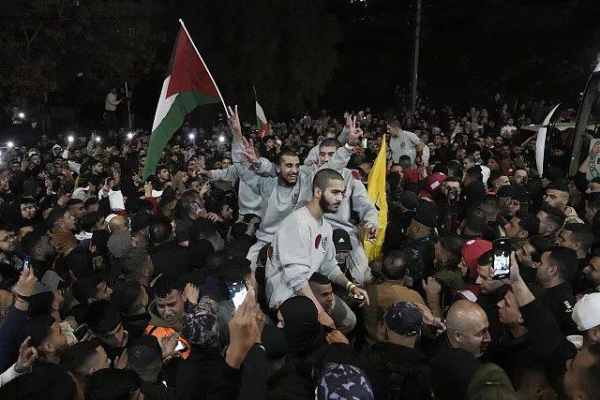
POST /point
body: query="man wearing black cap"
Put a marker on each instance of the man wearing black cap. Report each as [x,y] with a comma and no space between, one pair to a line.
[393,365]
[421,242]
[557,196]
[552,174]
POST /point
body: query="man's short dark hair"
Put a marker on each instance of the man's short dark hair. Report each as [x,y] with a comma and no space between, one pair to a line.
[102,317]
[187,198]
[452,245]
[540,244]
[476,220]
[73,202]
[126,298]
[555,215]
[30,242]
[581,233]
[77,358]
[236,269]
[285,153]
[112,383]
[160,168]
[164,285]
[90,202]
[202,229]
[89,221]
[160,231]
[85,289]
[322,178]
[397,265]
[565,259]
[330,142]
[405,162]
[134,261]
[474,172]
[319,279]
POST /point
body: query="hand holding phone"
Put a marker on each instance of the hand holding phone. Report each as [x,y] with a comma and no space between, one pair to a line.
[237,292]
[501,264]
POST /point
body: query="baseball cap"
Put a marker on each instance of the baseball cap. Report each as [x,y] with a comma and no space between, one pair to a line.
[409,200]
[472,250]
[559,185]
[586,312]
[343,381]
[490,382]
[341,240]
[434,181]
[427,215]
[403,318]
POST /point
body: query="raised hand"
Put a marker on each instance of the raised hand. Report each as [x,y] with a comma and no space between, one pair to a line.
[249,153]
[27,356]
[191,293]
[353,133]
[234,124]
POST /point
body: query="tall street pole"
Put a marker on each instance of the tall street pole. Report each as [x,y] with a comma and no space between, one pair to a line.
[415,66]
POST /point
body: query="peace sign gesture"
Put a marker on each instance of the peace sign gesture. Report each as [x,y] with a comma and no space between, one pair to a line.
[353,130]
[234,124]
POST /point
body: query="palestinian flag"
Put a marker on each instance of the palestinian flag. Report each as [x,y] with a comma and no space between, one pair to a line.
[188,85]
[261,121]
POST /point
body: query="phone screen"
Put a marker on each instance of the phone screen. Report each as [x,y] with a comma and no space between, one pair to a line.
[502,249]
[365,142]
[26,262]
[237,292]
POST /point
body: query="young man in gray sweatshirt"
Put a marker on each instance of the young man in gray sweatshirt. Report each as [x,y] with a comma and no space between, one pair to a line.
[304,245]
[280,194]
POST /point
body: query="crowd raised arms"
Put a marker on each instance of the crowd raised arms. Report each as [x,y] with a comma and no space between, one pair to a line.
[264,264]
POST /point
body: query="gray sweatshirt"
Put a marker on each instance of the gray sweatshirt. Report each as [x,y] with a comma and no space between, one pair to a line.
[279,201]
[301,247]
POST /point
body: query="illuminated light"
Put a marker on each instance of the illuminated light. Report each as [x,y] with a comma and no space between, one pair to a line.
[98,139]
[10,145]
[130,136]
[22,115]
[191,136]
[221,138]
[70,138]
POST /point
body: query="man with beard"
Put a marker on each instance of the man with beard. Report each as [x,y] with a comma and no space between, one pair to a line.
[46,336]
[37,245]
[591,272]
[280,194]
[557,196]
[303,245]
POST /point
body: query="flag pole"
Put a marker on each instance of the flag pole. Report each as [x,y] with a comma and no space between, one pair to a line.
[205,67]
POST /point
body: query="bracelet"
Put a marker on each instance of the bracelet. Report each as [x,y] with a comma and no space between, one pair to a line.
[349,147]
[348,284]
[23,298]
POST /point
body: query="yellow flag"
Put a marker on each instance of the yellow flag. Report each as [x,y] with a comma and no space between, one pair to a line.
[377,194]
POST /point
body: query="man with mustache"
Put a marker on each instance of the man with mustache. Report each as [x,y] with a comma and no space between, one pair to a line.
[303,245]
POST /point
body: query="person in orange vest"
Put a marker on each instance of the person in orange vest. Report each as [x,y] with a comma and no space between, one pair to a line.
[167,311]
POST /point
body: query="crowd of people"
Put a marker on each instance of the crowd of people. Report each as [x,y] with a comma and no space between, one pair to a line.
[237,269]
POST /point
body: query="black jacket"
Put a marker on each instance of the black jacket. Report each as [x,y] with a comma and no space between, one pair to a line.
[397,372]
